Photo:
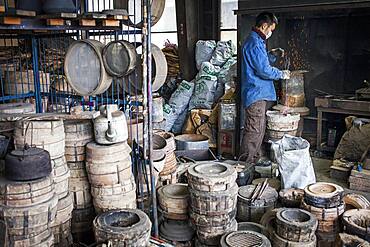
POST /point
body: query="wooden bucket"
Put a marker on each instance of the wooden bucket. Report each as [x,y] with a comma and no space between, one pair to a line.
[48,135]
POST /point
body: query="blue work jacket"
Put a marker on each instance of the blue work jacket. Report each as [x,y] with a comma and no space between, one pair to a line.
[257,74]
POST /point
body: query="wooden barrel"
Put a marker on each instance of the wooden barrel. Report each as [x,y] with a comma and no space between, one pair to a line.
[61,226]
[174,200]
[126,227]
[7,127]
[281,242]
[79,185]
[253,211]
[24,220]
[323,195]
[78,134]
[212,235]
[62,234]
[119,58]
[169,178]
[355,201]
[61,174]
[48,135]
[42,239]
[14,194]
[356,222]
[84,68]
[213,203]
[212,221]
[279,124]
[296,225]
[108,165]
[211,176]
[135,129]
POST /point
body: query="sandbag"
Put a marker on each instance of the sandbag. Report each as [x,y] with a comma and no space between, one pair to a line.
[179,123]
[180,98]
[224,50]
[295,165]
[208,71]
[170,114]
[354,142]
[226,74]
[203,51]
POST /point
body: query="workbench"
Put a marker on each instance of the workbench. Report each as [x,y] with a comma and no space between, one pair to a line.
[331,104]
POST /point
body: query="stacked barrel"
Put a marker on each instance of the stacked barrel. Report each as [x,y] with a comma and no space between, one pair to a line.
[108,162]
[50,136]
[324,201]
[169,173]
[78,134]
[124,227]
[174,208]
[213,197]
[294,227]
[28,209]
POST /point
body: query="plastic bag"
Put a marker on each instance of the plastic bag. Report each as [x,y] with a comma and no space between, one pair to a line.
[179,123]
[180,98]
[295,164]
[208,71]
[227,72]
[170,115]
[203,51]
[224,50]
[204,94]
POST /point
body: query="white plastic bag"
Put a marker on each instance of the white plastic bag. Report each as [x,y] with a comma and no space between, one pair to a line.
[295,165]
[224,50]
[203,51]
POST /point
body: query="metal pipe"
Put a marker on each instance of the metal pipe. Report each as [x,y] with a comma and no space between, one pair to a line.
[148,98]
[36,75]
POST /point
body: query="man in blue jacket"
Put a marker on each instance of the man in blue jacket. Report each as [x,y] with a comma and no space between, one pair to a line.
[257,85]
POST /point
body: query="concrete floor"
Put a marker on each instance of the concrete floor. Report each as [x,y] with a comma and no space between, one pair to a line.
[322,170]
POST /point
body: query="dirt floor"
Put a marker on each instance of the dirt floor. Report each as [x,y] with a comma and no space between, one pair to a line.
[322,170]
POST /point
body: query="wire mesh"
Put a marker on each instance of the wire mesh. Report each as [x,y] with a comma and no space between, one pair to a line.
[32,70]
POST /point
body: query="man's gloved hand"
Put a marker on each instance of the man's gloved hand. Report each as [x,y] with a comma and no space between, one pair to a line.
[278,52]
[286,75]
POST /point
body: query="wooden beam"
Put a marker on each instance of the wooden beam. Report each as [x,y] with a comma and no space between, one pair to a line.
[7,20]
[55,22]
[88,22]
[111,23]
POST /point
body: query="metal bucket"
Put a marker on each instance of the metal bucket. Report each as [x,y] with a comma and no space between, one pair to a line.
[293,90]
[191,142]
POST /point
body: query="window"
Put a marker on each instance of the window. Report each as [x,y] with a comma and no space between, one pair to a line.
[166,28]
[229,20]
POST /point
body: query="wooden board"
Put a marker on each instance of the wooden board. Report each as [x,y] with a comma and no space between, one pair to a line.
[87,22]
[58,16]
[94,15]
[2,8]
[22,12]
[341,173]
[11,20]
[111,23]
[55,22]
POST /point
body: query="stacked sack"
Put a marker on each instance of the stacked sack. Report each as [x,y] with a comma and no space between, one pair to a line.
[173,205]
[108,162]
[28,200]
[213,197]
[325,202]
[168,175]
[78,134]
[49,135]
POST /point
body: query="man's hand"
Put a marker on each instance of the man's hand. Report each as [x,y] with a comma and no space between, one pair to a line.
[278,52]
[286,75]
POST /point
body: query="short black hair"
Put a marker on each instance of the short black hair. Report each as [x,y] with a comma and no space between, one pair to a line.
[266,17]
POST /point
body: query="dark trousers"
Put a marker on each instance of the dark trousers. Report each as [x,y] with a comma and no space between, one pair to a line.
[254,130]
